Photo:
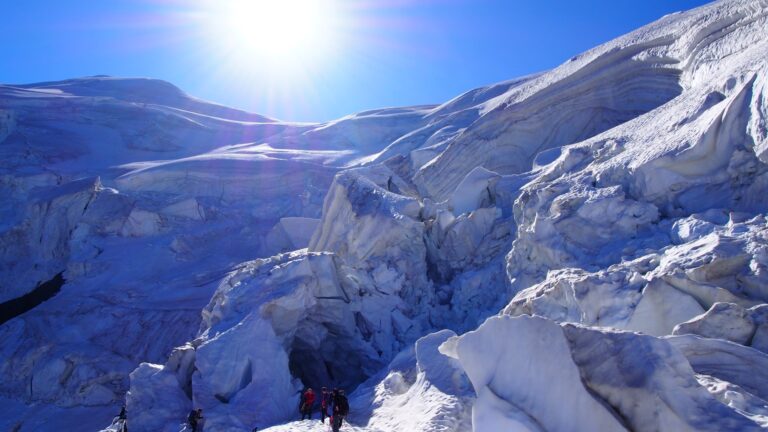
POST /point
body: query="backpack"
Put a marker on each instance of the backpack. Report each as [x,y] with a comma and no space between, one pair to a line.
[342,405]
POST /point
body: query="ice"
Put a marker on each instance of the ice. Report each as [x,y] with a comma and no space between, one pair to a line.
[611,380]
[727,361]
[661,309]
[727,321]
[422,389]
[611,210]
[516,387]
[189,208]
[655,293]
[471,193]
[737,398]
[142,223]
[289,234]
[39,249]
[161,406]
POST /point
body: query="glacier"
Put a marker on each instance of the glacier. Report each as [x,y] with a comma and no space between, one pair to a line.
[584,248]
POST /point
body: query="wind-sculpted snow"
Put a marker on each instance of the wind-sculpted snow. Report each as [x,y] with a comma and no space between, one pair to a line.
[432,386]
[610,380]
[362,289]
[508,380]
[741,366]
[140,90]
[619,198]
[274,320]
[145,198]
[258,317]
[656,292]
[420,390]
[508,137]
[727,321]
[37,249]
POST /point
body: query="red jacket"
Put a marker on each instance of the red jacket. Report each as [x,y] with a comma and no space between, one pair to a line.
[309,398]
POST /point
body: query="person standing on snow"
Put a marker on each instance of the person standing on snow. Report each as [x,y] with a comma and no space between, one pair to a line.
[306,407]
[122,420]
[301,399]
[325,400]
[340,409]
[195,420]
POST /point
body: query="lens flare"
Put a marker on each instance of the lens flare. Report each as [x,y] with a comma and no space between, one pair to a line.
[280,35]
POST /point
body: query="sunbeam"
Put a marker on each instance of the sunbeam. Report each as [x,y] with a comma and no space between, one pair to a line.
[281,36]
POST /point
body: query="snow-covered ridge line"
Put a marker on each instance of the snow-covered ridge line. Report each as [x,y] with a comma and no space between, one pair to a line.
[138,90]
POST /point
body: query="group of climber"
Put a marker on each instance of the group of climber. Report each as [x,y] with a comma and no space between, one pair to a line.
[194,421]
[336,400]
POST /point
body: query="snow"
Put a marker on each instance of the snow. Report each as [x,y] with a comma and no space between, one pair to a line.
[661,308]
[611,380]
[472,190]
[188,208]
[739,366]
[737,398]
[726,321]
[291,233]
[544,364]
[421,389]
[581,249]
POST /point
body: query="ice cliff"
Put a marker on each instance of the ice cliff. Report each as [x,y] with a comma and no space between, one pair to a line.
[581,249]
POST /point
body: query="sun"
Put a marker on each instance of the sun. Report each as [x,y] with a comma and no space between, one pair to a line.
[282,35]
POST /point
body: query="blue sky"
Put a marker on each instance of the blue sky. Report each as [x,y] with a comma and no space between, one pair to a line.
[385,52]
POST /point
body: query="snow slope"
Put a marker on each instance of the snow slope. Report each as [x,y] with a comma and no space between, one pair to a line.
[611,211]
[144,198]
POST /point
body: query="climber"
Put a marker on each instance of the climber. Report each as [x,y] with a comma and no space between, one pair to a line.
[325,400]
[122,420]
[306,407]
[340,409]
[301,401]
[195,419]
[301,398]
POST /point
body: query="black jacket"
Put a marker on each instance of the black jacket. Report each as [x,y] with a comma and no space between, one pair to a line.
[340,405]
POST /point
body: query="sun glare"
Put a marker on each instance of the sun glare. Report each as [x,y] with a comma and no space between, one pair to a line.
[282,35]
